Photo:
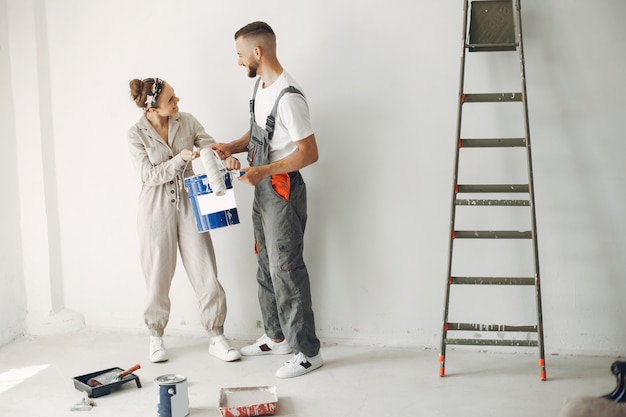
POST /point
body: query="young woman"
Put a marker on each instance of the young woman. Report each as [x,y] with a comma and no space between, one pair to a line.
[162,145]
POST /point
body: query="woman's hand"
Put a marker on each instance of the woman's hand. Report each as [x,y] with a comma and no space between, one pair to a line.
[232,164]
[188,155]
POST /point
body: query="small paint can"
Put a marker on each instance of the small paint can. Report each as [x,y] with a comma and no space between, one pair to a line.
[172,395]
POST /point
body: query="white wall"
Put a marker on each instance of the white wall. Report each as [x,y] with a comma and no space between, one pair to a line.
[12,296]
[382,81]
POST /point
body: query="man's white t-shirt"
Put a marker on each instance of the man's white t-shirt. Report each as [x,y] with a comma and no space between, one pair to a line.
[292,117]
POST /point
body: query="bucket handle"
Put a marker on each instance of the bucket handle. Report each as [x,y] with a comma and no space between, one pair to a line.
[233,172]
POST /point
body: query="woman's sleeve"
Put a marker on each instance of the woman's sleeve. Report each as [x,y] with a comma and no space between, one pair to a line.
[149,173]
[201,138]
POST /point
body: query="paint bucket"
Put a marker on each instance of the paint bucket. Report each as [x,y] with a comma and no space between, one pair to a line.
[172,395]
[211,211]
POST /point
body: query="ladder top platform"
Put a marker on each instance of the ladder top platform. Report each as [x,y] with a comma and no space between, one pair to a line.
[492,27]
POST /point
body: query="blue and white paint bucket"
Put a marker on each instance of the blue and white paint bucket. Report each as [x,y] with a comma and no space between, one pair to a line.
[172,395]
[211,211]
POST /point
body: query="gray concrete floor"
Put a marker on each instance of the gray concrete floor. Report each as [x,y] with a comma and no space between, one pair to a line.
[36,379]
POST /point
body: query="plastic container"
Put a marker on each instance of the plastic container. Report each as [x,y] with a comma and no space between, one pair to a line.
[248,401]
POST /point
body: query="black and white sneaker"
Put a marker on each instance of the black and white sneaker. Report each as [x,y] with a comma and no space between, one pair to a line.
[299,365]
[266,346]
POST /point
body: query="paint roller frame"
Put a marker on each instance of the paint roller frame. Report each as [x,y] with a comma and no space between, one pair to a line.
[214,170]
[80,382]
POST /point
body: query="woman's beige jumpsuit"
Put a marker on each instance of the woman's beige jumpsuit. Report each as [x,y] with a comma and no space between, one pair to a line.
[165,220]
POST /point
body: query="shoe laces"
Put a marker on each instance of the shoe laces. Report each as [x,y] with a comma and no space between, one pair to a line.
[156,344]
[223,343]
[297,359]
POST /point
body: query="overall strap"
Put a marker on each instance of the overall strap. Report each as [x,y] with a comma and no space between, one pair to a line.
[271,119]
[256,87]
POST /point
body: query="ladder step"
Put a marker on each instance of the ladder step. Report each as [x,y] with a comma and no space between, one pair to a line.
[492,280]
[492,143]
[491,97]
[491,47]
[483,202]
[491,327]
[492,188]
[491,342]
[492,234]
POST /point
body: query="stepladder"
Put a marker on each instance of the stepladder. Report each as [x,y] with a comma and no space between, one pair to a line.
[493,293]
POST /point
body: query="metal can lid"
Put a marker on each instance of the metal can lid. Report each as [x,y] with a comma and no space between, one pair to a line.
[169,379]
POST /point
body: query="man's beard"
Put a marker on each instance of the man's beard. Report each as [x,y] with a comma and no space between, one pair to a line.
[252,70]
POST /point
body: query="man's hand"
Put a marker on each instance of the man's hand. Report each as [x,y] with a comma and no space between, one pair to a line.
[222,149]
[253,175]
[232,164]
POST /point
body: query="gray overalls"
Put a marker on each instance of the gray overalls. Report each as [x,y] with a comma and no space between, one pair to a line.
[284,289]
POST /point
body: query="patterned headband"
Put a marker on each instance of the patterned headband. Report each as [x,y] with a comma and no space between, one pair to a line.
[151,98]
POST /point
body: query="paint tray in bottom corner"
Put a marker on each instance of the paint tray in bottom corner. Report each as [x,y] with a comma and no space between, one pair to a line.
[248,401]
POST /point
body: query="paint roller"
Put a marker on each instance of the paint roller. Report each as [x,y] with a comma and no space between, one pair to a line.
[213,168]
[111,377]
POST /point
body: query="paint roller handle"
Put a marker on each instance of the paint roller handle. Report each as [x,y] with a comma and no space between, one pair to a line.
[129,371]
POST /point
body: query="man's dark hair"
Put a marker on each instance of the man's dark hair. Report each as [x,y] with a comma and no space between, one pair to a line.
[254,28]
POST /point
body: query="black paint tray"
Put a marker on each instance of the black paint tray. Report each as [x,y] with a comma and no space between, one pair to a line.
[80,382]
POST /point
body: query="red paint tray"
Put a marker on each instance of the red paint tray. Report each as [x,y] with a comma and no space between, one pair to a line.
[248,401]
[80,382]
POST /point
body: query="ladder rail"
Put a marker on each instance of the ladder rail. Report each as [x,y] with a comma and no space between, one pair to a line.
[444,330]
[518,18]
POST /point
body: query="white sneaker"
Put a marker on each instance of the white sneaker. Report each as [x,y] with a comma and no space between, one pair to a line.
[266,346]
[157,350]
[220,347]
[299,365]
